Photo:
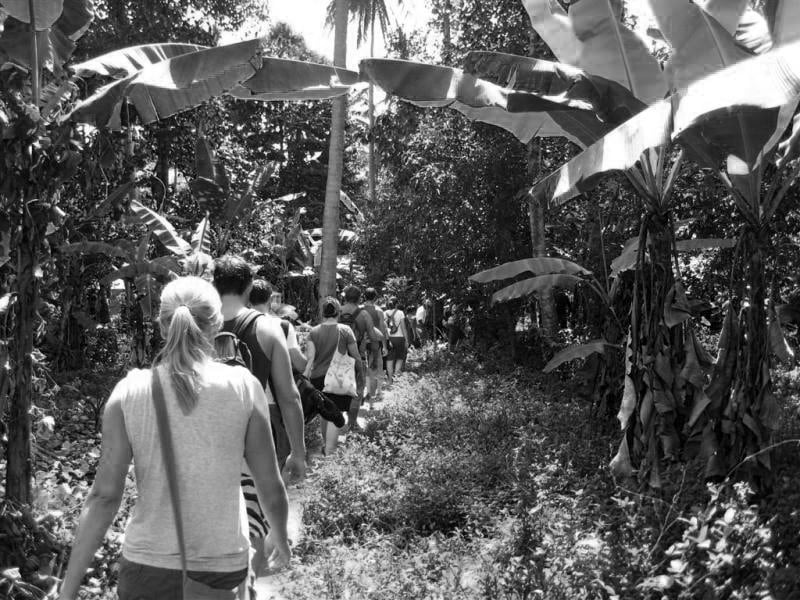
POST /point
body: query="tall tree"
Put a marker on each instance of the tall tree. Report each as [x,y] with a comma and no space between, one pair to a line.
[366,13]
[333,187]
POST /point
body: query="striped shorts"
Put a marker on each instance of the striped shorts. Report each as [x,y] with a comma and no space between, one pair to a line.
[255,516]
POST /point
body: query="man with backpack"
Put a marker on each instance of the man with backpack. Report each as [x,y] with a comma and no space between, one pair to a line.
[379,322]
[264,341]
[367,339]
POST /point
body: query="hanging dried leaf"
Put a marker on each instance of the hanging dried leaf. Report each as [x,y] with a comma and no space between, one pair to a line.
[621,466]
[777,341]
[676,306]
[629,392]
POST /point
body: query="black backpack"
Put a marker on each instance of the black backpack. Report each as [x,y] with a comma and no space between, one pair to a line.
[350,319]
[232,349]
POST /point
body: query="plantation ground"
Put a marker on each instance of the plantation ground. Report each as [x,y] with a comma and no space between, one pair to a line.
[475,481]
[476,484]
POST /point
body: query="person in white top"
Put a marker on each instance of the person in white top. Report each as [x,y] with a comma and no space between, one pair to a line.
[398,339]
[217,414]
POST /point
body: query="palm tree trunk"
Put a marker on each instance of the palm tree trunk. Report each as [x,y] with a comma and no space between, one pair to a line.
[371,108]
[333,186]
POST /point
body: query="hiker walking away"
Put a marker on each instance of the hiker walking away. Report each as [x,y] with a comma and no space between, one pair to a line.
[265,343]
[421,317]
[186,519]
[414,340]
[327,340]
[379,322]
[366,338]
[398,339]
[260,296]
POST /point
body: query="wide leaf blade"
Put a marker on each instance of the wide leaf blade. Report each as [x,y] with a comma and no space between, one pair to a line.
[286,79]
[434,86]
[128,61]
[592,37]
[537,266]
[558,83]
[163,229]
[535,285]
[578,351]
[170,86]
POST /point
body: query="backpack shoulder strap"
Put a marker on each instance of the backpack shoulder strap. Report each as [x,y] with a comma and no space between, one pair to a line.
[242,324]
[285,327]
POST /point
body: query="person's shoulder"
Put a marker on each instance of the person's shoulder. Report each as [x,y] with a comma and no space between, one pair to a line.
[345,330]
[217,372]
[135,383]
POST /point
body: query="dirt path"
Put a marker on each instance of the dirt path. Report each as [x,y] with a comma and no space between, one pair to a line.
[274,587]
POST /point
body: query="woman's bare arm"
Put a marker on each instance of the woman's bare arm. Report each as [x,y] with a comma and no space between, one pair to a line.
[104,498]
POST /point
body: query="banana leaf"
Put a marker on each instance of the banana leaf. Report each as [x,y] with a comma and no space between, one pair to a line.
[55,43]
[169,86]
[128,61]
[578,351]
[285,79]
[727,13]
[201,238]
[699,44]
[434,86]
[784,19]
[715,117]
[163,229]
[591,36]
[537,266]
[46,12]
[555,82]
[534,285]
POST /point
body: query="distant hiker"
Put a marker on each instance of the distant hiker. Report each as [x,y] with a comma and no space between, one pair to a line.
[186,520]
[420,318]
[260,297]
[265,342]
[454,323]
[414,340]
[398,339]
[379,322]
[328,347]
[366,337]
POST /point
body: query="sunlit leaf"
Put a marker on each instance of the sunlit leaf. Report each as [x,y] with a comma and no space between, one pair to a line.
[535,285]
[592,37]
[163,229]
[536,266]
[128,61]
[578,351]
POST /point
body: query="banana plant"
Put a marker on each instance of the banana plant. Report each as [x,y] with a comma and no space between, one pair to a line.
[716,120]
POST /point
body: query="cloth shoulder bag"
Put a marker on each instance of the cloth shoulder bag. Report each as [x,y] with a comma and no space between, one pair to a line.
[192,590]
[341,375]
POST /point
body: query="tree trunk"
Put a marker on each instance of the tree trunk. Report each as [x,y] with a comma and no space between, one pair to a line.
[333,186]
[371,109]
[19,473]
[536,219]
[447,40]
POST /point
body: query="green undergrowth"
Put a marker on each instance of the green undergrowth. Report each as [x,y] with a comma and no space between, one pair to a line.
[471,482]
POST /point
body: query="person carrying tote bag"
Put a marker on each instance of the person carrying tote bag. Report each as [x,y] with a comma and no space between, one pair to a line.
[333,366]
[186,424]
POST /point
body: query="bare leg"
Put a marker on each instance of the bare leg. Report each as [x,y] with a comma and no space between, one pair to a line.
[331,438]
[399,364]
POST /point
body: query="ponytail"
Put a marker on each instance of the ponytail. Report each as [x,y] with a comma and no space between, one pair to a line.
[190,314]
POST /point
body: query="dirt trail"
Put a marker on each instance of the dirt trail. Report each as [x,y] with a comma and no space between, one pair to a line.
[274,587]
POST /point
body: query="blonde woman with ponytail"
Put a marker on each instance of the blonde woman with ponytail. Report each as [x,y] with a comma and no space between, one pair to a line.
[217,414]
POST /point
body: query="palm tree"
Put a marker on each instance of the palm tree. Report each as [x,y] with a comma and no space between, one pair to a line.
[333,187]
[366,12]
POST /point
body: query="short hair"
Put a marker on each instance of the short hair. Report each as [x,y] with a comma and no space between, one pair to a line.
[370,294]
[261,292]
[391,302]
[331,307]
[352,293]
[232,275]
